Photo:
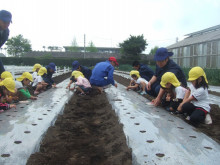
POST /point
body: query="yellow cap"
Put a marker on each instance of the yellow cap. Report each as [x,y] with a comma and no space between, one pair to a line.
[135,72]
[197,72]
[76,74]
[42,71]
[9,83]
[25,75]
[36,66]
[6,74]
[169,77]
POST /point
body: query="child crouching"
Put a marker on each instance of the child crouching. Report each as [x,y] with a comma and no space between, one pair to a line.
[82,84]
[6,87]
[21,84]
[196,101]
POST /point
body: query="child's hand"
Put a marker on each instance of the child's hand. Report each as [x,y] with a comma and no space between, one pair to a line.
[12,106]
[54,85]
[33,98]
[68,87]
[180,107]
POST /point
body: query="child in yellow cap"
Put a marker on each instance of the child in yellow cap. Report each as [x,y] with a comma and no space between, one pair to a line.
[6,87]
[13,96]
[196,102]
[175,92]
[138,82]
[74,74]
[82,84]
[38,84]
[35,70]
[22,83]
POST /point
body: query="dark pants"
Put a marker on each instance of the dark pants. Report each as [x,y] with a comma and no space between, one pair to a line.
[155,88]
[196,114]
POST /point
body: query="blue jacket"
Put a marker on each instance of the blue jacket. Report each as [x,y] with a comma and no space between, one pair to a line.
[146,72]
[101,70]
[86,71]
[171,66]
[48,77]
[3,36]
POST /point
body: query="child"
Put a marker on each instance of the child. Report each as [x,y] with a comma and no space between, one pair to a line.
[24,81]
[76,74]
[38,84]
[12,97]
[175,93]
[51,68]
[139,82]
[6,74]
[196,100]
[82,84]
[132,83]
[35,71]
[6,86]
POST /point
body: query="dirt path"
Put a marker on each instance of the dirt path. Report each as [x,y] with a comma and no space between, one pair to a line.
[212,130]
[87,133]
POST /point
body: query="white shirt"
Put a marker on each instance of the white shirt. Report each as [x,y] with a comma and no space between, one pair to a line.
[139,80]
[37,80]
[18,84]
[34,75]
[201,96]
[180,92]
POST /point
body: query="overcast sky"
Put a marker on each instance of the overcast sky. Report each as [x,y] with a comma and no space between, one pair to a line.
[109,22]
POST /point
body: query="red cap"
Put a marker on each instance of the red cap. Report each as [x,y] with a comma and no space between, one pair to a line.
[113,59]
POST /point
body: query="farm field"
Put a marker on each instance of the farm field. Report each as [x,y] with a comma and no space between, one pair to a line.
[106,129]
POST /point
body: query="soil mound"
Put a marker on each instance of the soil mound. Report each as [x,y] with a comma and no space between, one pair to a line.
[87,133]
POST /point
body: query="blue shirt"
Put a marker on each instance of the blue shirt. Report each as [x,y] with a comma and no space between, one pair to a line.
[146,72]
[171,66]
[101,70]
[48,77]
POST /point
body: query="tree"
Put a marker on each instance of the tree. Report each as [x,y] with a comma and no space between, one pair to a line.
[74,46]
[18,45]
[153,50]
[133,46]
[91,47]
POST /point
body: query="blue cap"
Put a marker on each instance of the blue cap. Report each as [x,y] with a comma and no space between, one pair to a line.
[161,54]
[75,65]
[5,16]
[52,66]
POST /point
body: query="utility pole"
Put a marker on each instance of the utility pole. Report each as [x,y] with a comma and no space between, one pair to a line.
[84,45]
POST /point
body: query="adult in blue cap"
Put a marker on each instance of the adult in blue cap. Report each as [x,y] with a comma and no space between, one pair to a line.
[163,64]
[51,68]
[86,71]
[5,20]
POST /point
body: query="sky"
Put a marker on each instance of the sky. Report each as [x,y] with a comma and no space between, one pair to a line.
[109,22]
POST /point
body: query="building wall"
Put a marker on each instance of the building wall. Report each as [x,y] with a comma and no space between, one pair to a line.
[71,54]
[206,55]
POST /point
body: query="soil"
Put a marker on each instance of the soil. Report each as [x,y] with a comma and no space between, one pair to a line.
[212,130]
[88,133]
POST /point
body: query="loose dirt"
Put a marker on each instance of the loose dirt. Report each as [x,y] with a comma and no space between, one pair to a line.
[212,130]
[88,133]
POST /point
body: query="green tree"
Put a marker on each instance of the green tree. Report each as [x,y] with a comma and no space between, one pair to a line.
[153,50]
[18,45]
[91,47]
[74,46]
[133,46]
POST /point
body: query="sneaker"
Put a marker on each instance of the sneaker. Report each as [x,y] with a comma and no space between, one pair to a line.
[139,91]
[188,118]
[143,93]
[208,119]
